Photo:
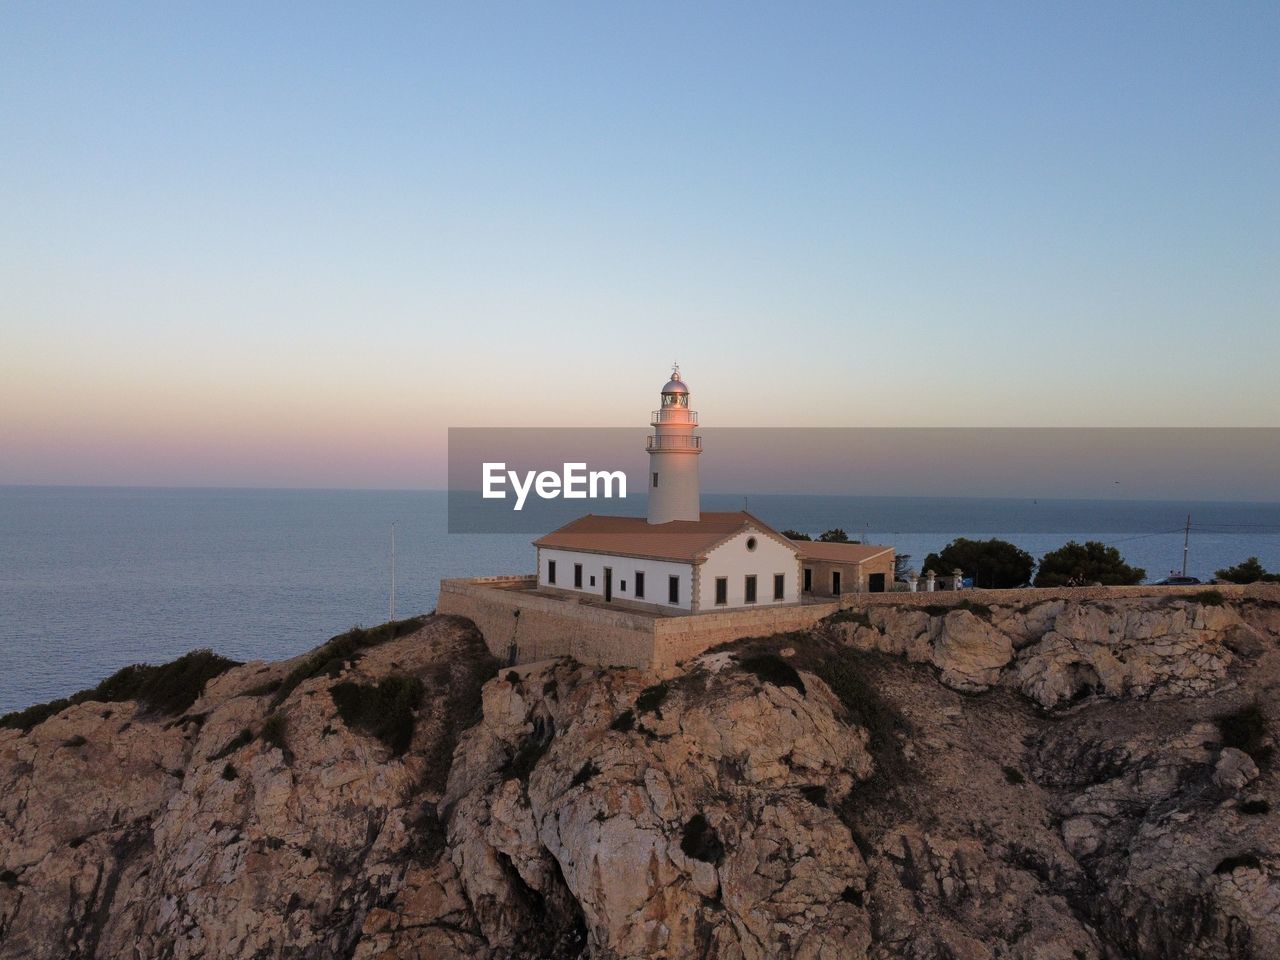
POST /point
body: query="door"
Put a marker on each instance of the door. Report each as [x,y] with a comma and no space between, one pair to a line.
[875,583]
[808,580]
[835,583]
[608,584]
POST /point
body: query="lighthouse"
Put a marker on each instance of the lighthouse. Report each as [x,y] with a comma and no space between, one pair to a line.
[673,456]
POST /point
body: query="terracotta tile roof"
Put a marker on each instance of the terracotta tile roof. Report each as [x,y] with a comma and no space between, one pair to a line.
[839,552]
[687,541]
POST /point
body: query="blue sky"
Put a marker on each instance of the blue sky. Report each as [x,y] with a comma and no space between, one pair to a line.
[292,245]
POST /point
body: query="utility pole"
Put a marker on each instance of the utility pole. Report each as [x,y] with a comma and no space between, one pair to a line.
[1186,544]
[391,601]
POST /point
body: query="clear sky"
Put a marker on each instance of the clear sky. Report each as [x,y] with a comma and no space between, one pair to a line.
[269,245]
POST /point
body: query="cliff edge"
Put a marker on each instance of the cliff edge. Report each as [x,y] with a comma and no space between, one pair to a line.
[1060,780]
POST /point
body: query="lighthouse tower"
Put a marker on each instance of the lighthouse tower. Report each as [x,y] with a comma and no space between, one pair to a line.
[673,456]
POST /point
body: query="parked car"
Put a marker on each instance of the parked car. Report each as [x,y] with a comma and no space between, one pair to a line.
[1179,582]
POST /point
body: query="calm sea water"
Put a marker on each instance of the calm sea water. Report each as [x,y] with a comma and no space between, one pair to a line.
[94,579]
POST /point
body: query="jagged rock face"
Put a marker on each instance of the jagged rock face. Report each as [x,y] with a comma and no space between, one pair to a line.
[601,821]
[1057,652]
[152,837]
[792,797]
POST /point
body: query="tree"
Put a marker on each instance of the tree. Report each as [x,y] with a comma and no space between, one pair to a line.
[1250,571]
[834,536]
[996,564]
[901,564]
[796,535]
[1074,564]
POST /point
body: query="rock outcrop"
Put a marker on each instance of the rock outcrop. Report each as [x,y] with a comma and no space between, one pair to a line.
[1062,781]
[1057,651]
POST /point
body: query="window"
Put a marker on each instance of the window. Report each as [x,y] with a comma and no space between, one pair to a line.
[722,591]
[808,580]
[577,575]
[622,586]
[673,589]
[751,543]
[551,571]
[749,589]
[655,479]
[592,581]
[835,582]
[639,584]
[779,585]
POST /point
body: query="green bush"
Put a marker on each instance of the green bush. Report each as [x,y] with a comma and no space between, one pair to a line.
[1248,571]
[170,688]
[77,740]
[796,535]
[993,564]
[1255,807]
[342,650]
[771,668]
[1076,564]
[1208,598]
[624,721]
[1014,776]
[385,709]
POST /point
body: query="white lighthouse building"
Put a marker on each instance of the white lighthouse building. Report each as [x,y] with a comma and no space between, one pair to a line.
[681,560]
[673,456]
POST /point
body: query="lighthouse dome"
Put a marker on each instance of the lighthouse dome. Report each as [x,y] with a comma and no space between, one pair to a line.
[675,384]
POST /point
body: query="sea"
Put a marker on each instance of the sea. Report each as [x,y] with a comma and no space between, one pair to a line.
[93,579]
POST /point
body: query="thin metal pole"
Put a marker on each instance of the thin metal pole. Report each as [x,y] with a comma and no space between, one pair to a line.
[1186,544]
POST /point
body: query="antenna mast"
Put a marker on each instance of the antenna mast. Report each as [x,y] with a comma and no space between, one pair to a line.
[1186,544]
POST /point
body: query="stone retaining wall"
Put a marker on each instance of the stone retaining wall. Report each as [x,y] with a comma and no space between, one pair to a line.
[609,636]
[1025,595]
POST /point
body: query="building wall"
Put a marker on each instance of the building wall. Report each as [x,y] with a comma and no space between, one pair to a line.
[733,561]
[854,577]
[656,573]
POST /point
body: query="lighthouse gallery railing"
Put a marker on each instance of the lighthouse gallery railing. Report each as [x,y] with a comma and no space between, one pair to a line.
[673,443]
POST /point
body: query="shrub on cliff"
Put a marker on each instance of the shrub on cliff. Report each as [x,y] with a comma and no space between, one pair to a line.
[993,564]
[385,709]
[170,688]
[1076,564]
[1248,571]
[1246,729]
[341,650]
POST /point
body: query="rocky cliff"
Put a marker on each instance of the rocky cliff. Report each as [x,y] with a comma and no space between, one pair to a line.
[1065,780]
